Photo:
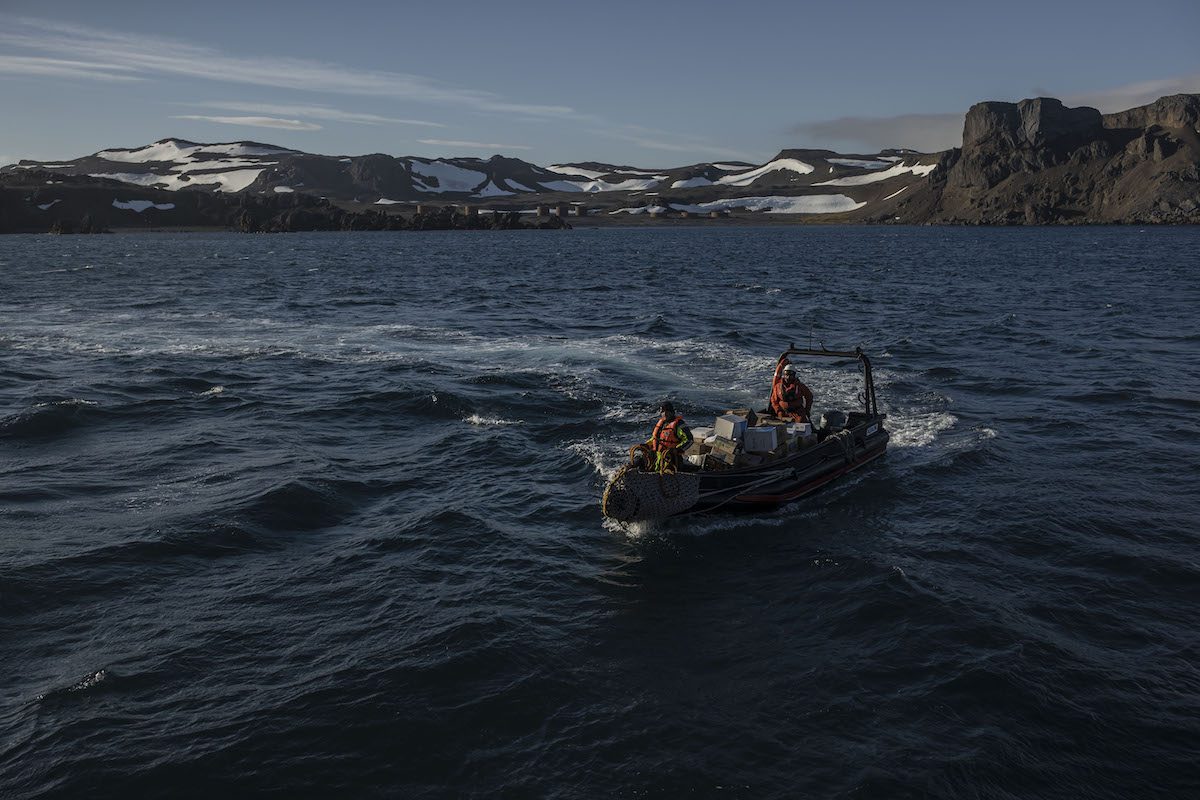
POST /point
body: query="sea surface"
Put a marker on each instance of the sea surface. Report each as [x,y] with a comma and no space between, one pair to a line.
[317,515]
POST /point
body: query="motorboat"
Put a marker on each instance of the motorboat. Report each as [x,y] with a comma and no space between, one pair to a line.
[842,442]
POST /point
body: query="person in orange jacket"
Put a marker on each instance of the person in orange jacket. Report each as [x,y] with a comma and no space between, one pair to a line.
[790,399]
[670,438]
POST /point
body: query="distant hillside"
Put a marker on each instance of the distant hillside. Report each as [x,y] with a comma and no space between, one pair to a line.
[1033,162]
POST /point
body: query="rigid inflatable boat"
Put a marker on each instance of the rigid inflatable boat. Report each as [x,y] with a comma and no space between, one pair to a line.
[844,442]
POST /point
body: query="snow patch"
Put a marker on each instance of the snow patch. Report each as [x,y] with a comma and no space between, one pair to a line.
[803,204]
[141,205]
[48,206]
[449,177]
[640,210]
[233,181]
[171,150]
[520,187]
[691,183]
[747,178]
[383,201]
[874,177]
[893,194]
[284,190]
[563,169]
[599,186]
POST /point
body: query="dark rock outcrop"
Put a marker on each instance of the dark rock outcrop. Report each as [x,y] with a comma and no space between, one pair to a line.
[1173,111]
[1037,162]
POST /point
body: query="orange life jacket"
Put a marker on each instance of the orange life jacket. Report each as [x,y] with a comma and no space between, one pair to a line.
[788,401]
[664,437]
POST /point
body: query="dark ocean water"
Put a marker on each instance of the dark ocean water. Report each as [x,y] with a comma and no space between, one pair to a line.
[317,515]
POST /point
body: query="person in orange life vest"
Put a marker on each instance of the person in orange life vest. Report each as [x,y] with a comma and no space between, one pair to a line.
[790,399]
[670,438]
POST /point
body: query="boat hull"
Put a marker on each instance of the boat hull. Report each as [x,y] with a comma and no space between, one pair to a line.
[638,496]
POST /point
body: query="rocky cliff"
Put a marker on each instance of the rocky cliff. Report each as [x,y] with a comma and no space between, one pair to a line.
[1039,162]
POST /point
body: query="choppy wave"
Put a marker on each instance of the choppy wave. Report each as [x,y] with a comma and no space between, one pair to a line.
[327,517]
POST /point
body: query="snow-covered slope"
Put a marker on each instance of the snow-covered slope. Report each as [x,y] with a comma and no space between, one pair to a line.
[792,182]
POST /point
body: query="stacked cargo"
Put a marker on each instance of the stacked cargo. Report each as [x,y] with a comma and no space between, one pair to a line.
[741,438]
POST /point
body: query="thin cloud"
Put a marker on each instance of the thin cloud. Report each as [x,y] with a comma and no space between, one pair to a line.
[64,68]
[1120,98]
[255,122]
[933,132]
[315,112]
[474,145]
[925,132]
[157,56]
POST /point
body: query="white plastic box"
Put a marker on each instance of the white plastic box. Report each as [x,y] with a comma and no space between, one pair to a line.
[760,440]
[799,429]
[727,426]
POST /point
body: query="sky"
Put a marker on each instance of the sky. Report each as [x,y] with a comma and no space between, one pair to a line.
[651,84]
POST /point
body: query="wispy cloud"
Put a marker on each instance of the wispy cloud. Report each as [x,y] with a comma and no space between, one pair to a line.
[115,52]
[255,122]
[474,145]
[64,68]
[931,132]
[927,132]
[1120,98]
[314,112]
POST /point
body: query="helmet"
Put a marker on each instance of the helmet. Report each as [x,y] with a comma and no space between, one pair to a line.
[788,369]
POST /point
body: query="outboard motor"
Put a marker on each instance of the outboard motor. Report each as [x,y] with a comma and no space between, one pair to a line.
[833,421]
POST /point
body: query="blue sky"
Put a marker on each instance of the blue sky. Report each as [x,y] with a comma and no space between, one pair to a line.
[640,83]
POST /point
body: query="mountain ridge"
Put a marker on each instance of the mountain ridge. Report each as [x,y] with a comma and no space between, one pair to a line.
[1035,161]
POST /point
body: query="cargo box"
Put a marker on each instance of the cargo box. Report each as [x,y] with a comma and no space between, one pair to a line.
[722,457]
[799,429]
[746,414]
[729,426]
[781,429]
[760,440]
[702,433]
[712,462]
[720,445]
[750,460]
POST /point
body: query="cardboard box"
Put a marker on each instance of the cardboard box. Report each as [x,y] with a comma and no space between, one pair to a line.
[720,445]
[724,458]
[711,462]
[746,414]
[696,449]
[702,433]
[760,440]
[729,426]
[697,459]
